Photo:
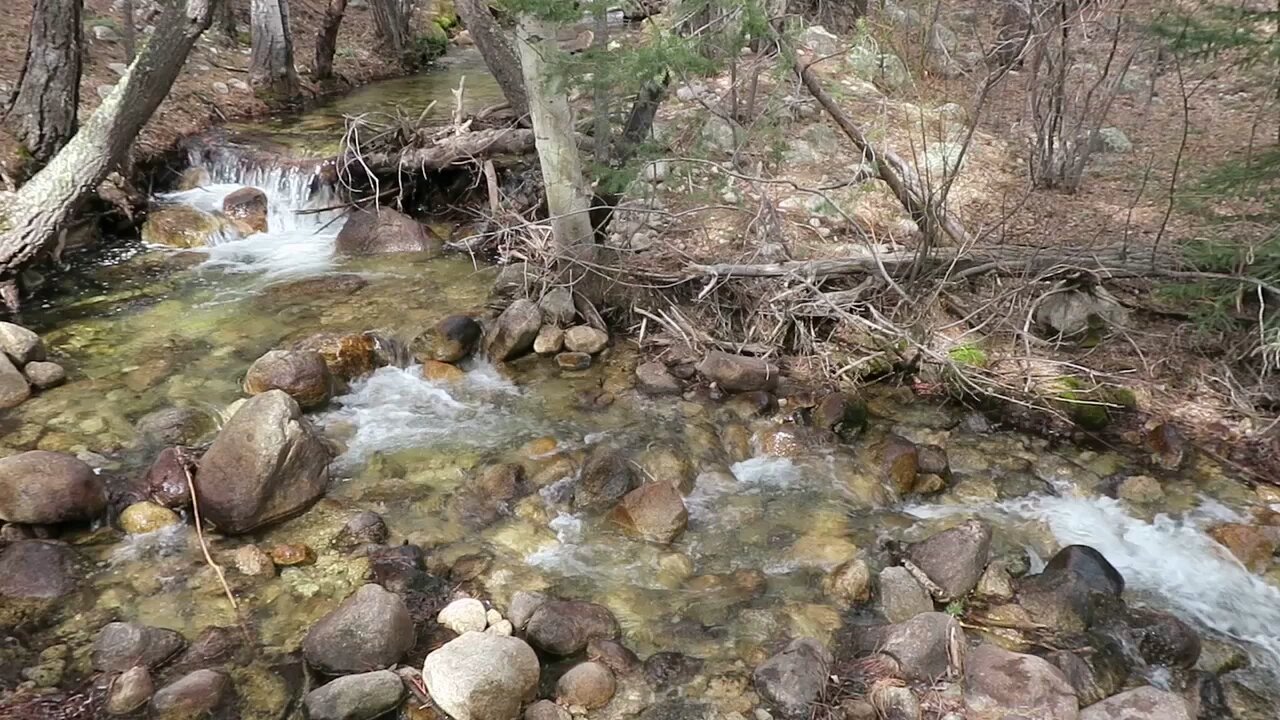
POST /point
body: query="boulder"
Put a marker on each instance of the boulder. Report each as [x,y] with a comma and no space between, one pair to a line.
[383,231]
[564,627]
[590,685]
[1089,567]
[355,697]
[954,559]
[167,481]
[654,511]
[820,41]
[14,388]
[616,656]
[849,583]
[558,308]
[20,344]
[247,208]
[478,676]
[129,691]
[303,374]
[42,488]
[1072,312]
[523,605]
[365,528]
[267,464]
[1000,684]
[927,647]
[1252,545]
[463,615]
[1097,672]
[44,375]
[193,695]
[585,339]
[122,645]
[900,463]
[1076,586]
[1144,703]
[513,332]
[792,680]
[550,340]
[370,630]
[1163,639]
[37,570]
[653,378]
[182,226]
[453,339]
[348,356]
[174,426]
[145,517]
[738,373]
[605,478]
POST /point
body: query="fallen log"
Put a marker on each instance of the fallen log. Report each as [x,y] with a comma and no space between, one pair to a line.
[475,147]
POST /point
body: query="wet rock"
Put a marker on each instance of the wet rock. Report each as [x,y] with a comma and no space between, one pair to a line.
[901,596]
[513,332]
[666,464]
[365,528]
[546,710]
[1076,585]
[370,630]
[385,231]
[37,570]
[399,568]
[303,374]
[122,645]
[954,559]
[182,226]
[666,670]
[614,655]
[191,695]
[523,605]
[573,361]
[14,388]
[145,517]
[45,488]
[849,583]
[44,375]
[291,554]
[900,463]
[1164,639]
[347,356]
[839,413]
[1252,545]
[309,289]
[247,208]
[1144,703]
[355,697]
[1089,567]
[791,440]
[464,615]
[1169,446]
[558,308]
[20,344]
[995,583]
[168,480]
[738,373]
[927,647]
[1000,684]
[478,676]
[453,338]
[605,478]
[932,460]
[1140,490]
[550,340]
[563,627]
[267,464]
[174,426]
[895,702]
[253,561]
[585,339]
[652,378]
[1095,674]
[792,680]
[441,372]
[129,691]
[214,647]
[654,511]
[590,685]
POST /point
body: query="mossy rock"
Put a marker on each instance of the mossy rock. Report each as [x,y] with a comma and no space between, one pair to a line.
[446,16]
[427,46]
[181,226]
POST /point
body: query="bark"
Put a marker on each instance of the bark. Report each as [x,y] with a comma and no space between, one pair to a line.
[327,39]
[34,217]
[271,70]
[129,30]
[42,116]
[497,52]
[600,92]
[568,200]
[226,14]
[391,24]
[457,150]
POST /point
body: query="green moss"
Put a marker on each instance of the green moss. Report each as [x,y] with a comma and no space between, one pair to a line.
[1091,407]
[968,354]
[425,48]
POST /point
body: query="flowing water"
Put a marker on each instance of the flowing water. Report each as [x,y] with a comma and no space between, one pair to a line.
[161,328]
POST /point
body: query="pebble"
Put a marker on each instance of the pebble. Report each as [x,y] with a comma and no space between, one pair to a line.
[286,555]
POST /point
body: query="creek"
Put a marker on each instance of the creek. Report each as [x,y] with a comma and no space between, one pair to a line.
[157,328]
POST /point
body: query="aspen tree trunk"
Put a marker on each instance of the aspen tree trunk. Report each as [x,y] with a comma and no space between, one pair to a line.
[391,24]
[497,52]
[271,69]
[327,39]
[42,116]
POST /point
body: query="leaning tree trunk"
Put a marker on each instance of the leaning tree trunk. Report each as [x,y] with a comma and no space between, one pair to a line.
[498,55]
[33,217]
[391,25]
[129,30]
[42,116]
[327,39]
[271,63]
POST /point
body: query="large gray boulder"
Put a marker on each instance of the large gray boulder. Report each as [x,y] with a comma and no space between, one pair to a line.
[370,630]
[266,464]
[927,647]
[793,679]
[43,488]
[739,373]
[954,559]
[1000,684]
[513,332]
[122,645]
[20,344]
[1144,703]
[14,389]
[481,676]
[383,231]
[355,697]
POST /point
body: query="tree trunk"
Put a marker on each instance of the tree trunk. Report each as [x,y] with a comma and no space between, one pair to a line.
[327,39]
[600,91]
[42,116]
[497,52]
[129,29]
[568,200]
[391,25]
[271,69]
[227,21]
[34,217]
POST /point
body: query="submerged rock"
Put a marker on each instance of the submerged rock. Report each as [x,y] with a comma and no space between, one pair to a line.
[145,517]
[1000,684]
[793,679]
[44,375]
[122,645]
[563,627]
[573,361]
[671,669]
[182,226]
[513,332]
[365,528]
[900,463]
[44,488]
[1144,703]
[654,511]
[902,597]
[954,559]
[605,478]
[347,356]
[303,374]
[355,697]
[441,372]
[37,570]
[479,676]
[738,373]
[129,691]
[384,231]
[247,208]
[590,685]
[453,339]
[192,695]
[370,630]
[653,378]
[174,425]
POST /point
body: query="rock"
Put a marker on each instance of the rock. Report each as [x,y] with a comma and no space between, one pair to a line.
[267,464]
[1070,313]
[839,413]
[1111,140]
[954,559]
[900,463]
[478,676]
[512,279]
[1140,490]
[573,361]
[1163,639]
[182,226]
[453,338]
[523,605]
[44,488]
[122,645]
[589,685]
[168,480]
[849,583]
[105,33]
[1077,584]
[513,333]
[129,691]
[384,231]
[613,654]
[441,372]
[1252,545]
[292,554]
[927,647]
[247,208]
[793,680]
[1144,703]
[37,570]
[654,511]
[501,627]
[1089,566]
[192,695]
[145,517]
[174,426]
[14,389]
[557,307]
[901,596]
[44,375]
[213,647]
[464,615]
[251,560]
[738,373]
[652,378]
[366,528]
[666,670]
[563,627]
[585,339]
[995,583]
[370,630]
[1168,445]
[550,340]
[355,697]
[1096,673]
[20,344]
[303,374]
[894,702]
[886,70]
[605,478]
[347,356]
[546,710]
[1000,684]
[819,41]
